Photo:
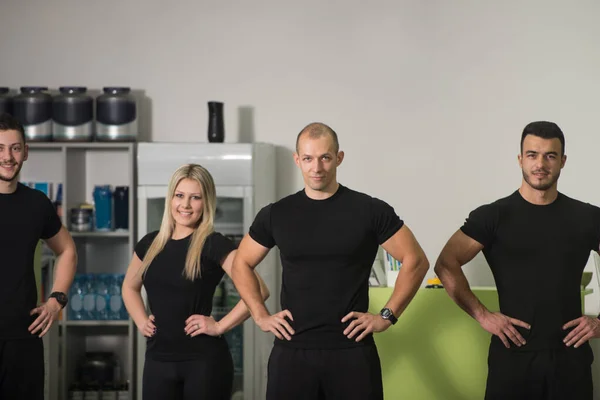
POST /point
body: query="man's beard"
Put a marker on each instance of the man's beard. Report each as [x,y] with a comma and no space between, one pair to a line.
[541,186]
[15,174]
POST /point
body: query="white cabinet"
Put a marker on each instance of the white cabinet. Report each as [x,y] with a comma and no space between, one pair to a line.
[80,167]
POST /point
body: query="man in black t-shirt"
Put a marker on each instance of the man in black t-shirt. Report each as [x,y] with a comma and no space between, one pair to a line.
[26,216]
[328,236]
[537,242]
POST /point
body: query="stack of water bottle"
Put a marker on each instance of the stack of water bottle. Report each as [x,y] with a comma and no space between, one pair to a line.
[97,297]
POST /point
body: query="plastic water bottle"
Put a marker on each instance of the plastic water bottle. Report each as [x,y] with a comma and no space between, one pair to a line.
[102,297]
[124,312]
[76,298]
[116,301]
[103,206]
[89,298]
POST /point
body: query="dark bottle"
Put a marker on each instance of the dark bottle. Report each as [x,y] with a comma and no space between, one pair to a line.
[216,126]
[121,205]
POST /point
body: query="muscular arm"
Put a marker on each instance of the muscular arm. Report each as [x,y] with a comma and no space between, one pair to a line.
[459,250]
[63,246]
[249,254]
[66,264]
[403,246]
[239,313]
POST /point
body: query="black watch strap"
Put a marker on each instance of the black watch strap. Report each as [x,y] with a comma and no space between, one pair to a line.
[60,297]
[386,313]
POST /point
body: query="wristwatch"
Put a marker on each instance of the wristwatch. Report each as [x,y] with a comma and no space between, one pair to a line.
[387,314]
[60,297]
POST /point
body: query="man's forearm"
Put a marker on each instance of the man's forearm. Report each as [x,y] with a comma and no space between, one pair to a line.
[458,289]
[247,285]
[407,284]
[240,313]
[64,271]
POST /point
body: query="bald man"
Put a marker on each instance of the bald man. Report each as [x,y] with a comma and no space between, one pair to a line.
[328,236]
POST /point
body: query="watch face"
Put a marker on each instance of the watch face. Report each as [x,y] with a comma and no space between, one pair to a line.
[60,297]
[385,313]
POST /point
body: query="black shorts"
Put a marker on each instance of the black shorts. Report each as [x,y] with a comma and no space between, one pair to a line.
[561,374]
[324,374]
[22,369]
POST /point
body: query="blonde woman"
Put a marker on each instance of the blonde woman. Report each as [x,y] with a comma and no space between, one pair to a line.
[180,266]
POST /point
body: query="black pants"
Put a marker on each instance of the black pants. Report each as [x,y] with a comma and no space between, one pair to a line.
[316,374]
[561,374]
[22,369]
[208,378]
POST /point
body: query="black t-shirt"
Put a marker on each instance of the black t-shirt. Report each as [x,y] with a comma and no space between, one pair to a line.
[26,216]
[537,254]
[327,250]
[172,297]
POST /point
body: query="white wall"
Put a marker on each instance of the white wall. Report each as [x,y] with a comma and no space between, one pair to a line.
[428,97]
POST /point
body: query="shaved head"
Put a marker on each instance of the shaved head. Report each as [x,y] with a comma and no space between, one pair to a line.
[315,130]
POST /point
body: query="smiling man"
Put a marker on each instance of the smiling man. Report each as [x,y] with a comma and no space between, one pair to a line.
[26,216]
[328,236]
[537,242]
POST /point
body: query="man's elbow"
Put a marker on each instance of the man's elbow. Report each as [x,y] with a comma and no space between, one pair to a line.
[70,254]
[423,264]
[441,266]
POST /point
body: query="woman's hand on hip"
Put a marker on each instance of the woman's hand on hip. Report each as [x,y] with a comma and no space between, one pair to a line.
[198,324]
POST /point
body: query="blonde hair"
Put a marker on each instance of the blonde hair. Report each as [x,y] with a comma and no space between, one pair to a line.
[205,226]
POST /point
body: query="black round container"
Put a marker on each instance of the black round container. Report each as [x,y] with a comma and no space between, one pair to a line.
[6,101]
[72,115]
[33,108]
[98,368]
[216,126]
[116,115]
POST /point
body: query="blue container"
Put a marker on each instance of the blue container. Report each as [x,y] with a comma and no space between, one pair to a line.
[103,206]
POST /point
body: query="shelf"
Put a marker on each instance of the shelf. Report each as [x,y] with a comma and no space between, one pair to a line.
[111,234]
[97,323]
[80,145]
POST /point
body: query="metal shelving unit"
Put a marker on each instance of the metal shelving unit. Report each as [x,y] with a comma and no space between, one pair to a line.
[79,167]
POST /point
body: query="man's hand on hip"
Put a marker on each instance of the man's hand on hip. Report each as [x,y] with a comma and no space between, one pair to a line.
[277,324]
[47,314]
[365,322]
[584,328]
[504,327]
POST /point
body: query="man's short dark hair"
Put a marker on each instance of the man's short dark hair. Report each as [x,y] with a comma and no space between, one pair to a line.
[544,130]
[10,123]
[316,130]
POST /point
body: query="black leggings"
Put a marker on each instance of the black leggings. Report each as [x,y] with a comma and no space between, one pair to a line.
[209,378]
